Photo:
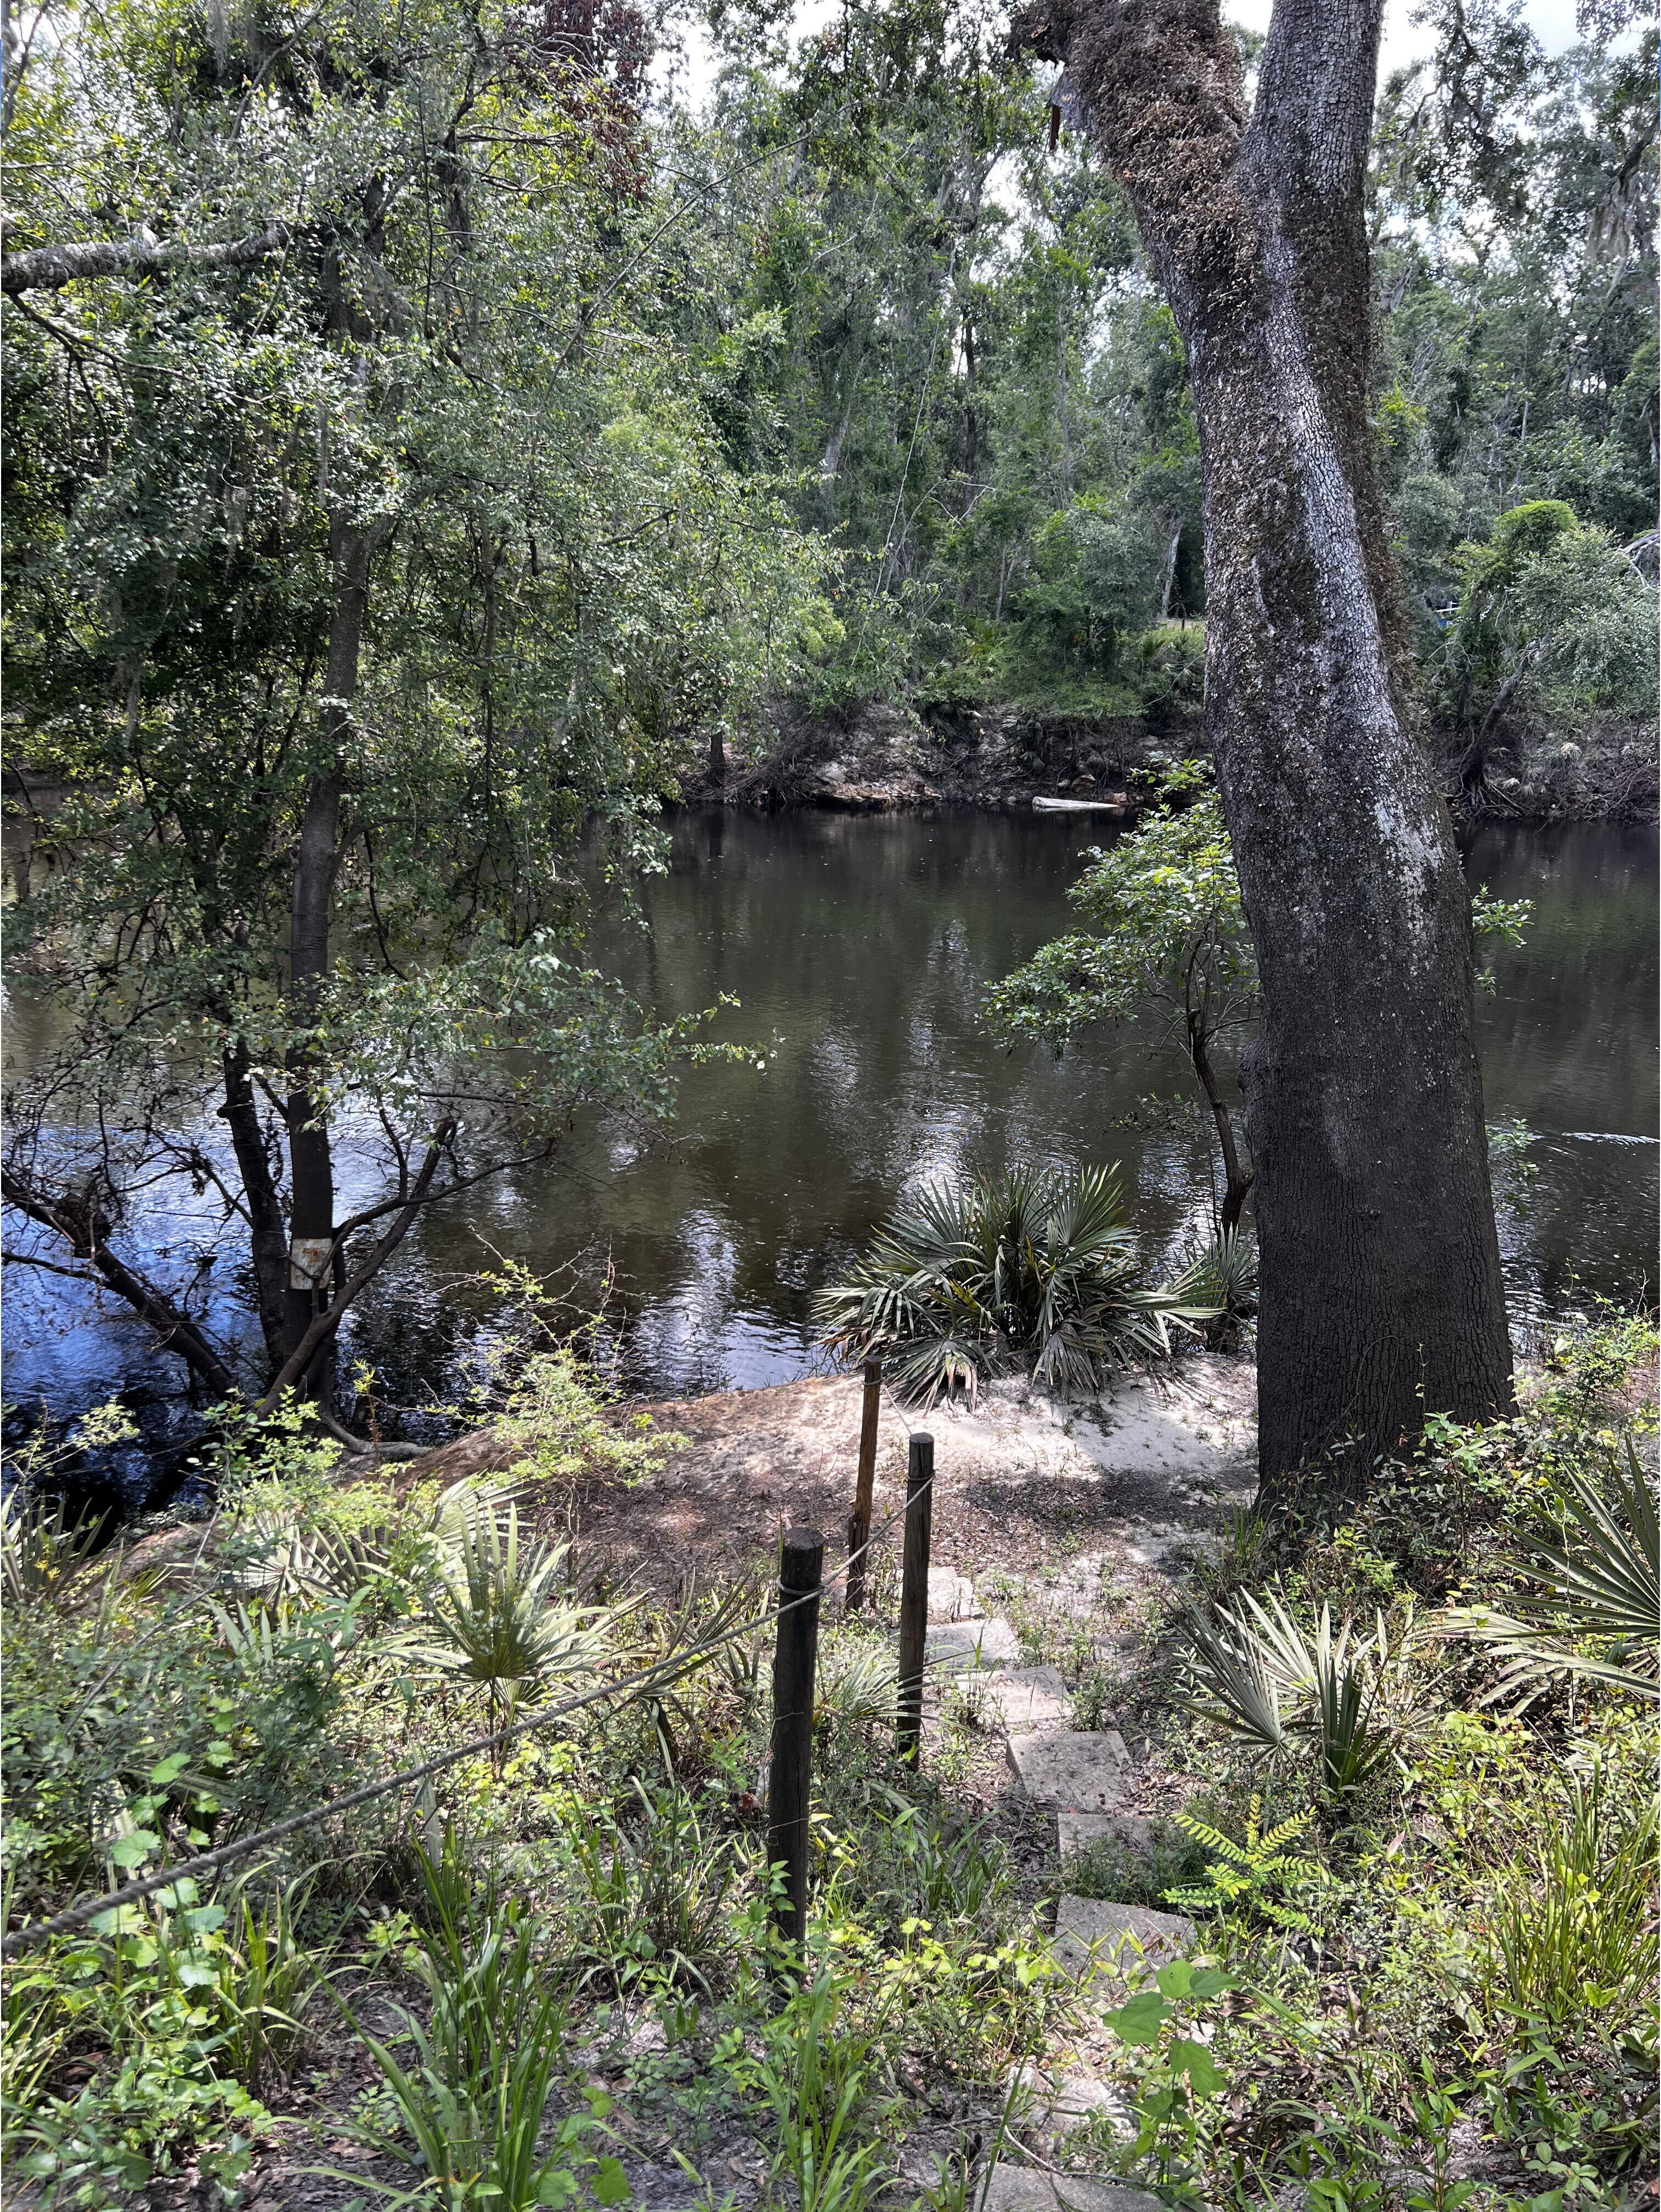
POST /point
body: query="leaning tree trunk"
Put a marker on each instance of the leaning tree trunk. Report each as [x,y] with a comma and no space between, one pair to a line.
[1381,1296]
[317,859]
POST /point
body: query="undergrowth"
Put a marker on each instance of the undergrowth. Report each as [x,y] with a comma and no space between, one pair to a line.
[1425,1958]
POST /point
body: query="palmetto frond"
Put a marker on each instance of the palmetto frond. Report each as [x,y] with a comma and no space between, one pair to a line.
[1223,1274]
[497,1610]
[1245,1691]
[289,1560]
[1035,1267]
[1601,1587]
[42,1552]
[1264,1679]
[860,1686]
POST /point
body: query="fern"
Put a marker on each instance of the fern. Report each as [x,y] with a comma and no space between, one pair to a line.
[1243,1874]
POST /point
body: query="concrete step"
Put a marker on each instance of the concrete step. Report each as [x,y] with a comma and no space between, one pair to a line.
[1049,2105]
[951,1596]
[1133,1832]
[1097,1939]
[1024,2189]
[1066,1772]
[958,1644]
[1024,1700]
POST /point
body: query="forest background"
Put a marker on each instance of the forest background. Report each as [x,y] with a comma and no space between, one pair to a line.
[429,450]
[887,404]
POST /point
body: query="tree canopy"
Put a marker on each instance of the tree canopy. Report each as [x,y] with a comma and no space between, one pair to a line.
[430,440]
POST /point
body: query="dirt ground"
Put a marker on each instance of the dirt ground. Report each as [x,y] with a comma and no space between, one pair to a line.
[1022,1479]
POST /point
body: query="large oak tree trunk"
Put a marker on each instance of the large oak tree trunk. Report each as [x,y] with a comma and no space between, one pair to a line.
[1381,1296]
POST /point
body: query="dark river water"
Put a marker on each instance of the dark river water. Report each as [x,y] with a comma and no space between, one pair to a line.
[862,945]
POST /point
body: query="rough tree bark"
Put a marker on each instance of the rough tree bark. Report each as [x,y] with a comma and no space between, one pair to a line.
[1381,1294]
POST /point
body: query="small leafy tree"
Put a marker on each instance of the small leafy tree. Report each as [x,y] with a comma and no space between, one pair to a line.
[1168,936]
[370,548]
[1552,614]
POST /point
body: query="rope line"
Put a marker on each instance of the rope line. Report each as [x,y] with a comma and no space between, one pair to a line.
[669,1669]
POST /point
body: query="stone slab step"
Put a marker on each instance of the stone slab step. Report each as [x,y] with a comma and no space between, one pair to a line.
[951,1596]
[956,1645]
[1133,1832]
[1024,2189]
[1025,1701]
[1066,1772]
[1049,2106]
[1098,1938]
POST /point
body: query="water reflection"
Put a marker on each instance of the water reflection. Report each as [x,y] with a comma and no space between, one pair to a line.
[859,948]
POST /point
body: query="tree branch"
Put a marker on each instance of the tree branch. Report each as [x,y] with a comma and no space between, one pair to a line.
[456,1184]
[83,1225]
[51,1267]
[47,268]
[325,1324]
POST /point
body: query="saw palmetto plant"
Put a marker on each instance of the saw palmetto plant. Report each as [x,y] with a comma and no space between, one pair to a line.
[1595,1610]
[44,1552]
[1033,1270]
[497,1608]
[1258,1675]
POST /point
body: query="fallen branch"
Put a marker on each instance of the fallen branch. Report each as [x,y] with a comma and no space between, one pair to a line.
[83,1225]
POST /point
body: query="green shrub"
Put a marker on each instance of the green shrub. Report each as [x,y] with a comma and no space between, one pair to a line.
[1034,1270]
[1573,1934]
[467,2089]
[653,1894]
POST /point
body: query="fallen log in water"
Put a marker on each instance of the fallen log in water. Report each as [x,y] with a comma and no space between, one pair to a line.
[1082,805]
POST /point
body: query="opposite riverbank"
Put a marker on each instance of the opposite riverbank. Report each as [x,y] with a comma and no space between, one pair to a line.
[885,757]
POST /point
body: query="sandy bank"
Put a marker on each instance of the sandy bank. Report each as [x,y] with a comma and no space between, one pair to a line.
[1145,1467]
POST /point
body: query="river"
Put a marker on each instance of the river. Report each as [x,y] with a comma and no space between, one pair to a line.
[859,947]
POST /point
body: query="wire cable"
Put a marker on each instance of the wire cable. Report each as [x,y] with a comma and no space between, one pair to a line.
[672,1669]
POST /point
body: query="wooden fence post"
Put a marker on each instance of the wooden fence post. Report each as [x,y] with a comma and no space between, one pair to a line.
[859,1520]
[914,1594]
[801,1557]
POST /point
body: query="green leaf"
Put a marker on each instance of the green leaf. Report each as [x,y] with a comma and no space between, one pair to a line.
[119,1920]
[611,2183]
[1141,2019]
[165,1769]
[1194,2060]
[132,1849]
[1210,1983]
